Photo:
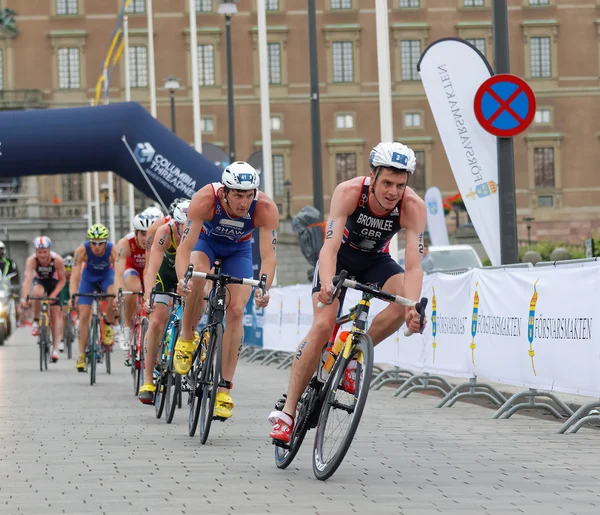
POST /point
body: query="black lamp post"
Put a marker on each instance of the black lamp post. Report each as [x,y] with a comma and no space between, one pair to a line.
[172,84]
[528,220]
[288,195]
[229,9]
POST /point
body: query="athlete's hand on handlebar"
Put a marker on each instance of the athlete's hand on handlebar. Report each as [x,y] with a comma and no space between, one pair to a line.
[262,301]
[413,321]
[326,293]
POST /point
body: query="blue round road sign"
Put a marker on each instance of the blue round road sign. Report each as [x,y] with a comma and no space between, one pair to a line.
[504,105]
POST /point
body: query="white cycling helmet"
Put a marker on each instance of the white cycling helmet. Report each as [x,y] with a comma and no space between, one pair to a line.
[2,246]
[240,176]
[180,211]
[142,222]
[393,155]
[152,212]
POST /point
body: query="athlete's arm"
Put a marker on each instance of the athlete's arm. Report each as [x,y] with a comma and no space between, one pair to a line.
[78,260]
[29,271]
[149,238]
[59,266]
[123,251]
[343,203]
[414,218]
[201,208]
[157,253]
[266,217]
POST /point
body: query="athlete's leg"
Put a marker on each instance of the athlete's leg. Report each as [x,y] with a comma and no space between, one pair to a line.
[158,321]
[234,329]
[37,291]
[132,282]
[194,301]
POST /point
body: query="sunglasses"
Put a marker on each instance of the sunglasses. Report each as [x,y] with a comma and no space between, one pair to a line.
[97,243]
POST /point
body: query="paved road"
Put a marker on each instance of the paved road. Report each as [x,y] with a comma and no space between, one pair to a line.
[71,448]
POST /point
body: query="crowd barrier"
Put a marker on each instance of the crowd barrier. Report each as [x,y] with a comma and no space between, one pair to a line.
[532,327]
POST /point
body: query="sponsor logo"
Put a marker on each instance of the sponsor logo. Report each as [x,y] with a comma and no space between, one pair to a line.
[161,170]
[433,319]
[474,322]
[433,207]
[482,190]
[554,328]
[397,157]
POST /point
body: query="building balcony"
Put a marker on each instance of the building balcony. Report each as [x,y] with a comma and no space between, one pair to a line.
[16,99]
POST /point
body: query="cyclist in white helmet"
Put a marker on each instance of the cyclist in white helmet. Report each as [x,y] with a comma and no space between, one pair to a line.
[221,219]
[365,213]
[129,267]
[160,275]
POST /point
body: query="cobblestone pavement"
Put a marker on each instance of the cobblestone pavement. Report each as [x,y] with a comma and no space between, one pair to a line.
[71,448]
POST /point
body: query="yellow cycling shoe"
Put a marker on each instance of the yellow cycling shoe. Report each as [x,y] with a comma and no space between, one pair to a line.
[182,361]
[80,365]
[108,336]
[223,405]
[146,395]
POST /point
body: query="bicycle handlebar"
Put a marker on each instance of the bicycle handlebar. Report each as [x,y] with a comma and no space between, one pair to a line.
[122,294]
[153,293]
[96,295]
[262,283]
[49,299]
[341,280]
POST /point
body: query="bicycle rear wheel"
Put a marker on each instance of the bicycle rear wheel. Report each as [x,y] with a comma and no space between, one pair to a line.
[141,354]
[285,455]
[159,380]
[211,376]
[133,357]
[69,335]
[193,395]
[330,447]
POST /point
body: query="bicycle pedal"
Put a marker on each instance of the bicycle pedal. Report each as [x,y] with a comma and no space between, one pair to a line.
[281,444]
[222,419]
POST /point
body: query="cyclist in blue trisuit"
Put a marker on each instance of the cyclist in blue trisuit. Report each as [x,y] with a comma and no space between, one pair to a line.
[93,272]
[221,219]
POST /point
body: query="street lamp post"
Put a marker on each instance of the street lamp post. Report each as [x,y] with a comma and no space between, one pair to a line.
[229,9]
[104,191]
[528,220]
[172,84]
[288,194]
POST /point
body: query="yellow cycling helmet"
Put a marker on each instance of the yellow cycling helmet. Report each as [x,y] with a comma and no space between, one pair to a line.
[97,232]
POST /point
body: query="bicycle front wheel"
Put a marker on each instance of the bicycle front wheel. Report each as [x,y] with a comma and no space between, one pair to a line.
[69,335]
[342,408]
[159,382]
[211,376]
[93,349]
[194,394]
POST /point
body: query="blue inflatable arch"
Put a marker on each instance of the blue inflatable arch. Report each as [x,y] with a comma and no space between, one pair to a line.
[123,138]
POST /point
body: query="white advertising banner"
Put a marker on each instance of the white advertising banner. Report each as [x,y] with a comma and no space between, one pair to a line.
[452,71]
[436,220]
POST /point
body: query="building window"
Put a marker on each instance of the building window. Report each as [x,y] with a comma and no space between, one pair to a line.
[138,66]
[417,180]
[412,120]
[204,6]
[136,7]
[543,165]
[341,4]
[545,201]
[67,7]
[541,59]
[410,53]
[1,70]
[72,187]
[207,124]
[68,68]
[473,3]
[542,116]
[409,4]
[272,5]
[278,175]
[274,53]
[478,43]
[539,2]
[275,123]
[206,65]
[345,167]
[343,62]
[344,121]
